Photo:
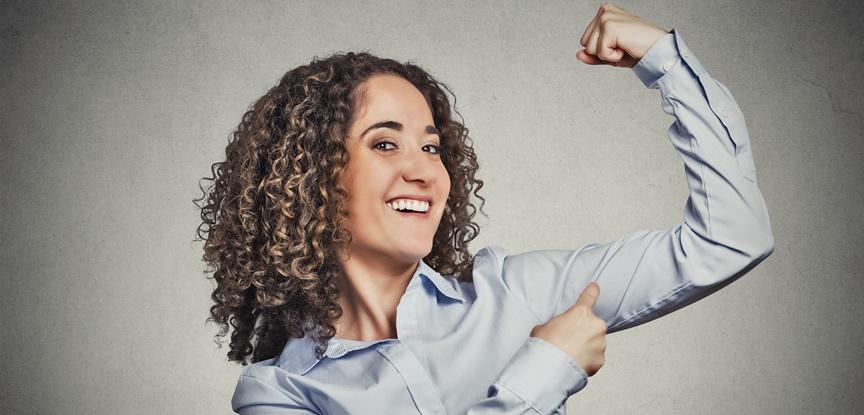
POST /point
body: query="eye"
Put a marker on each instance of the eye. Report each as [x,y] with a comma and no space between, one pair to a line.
[435,149]
[382,145]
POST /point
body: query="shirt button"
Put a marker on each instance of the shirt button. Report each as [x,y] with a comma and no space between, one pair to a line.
[667,67]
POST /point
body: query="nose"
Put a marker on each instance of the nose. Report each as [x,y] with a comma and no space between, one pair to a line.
[419,167]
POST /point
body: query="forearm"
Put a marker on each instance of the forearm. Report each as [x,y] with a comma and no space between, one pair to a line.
[537,380]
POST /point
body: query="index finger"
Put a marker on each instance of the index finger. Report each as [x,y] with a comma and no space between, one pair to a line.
[584,39]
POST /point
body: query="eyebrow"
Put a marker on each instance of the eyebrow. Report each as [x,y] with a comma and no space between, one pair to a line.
[430,129]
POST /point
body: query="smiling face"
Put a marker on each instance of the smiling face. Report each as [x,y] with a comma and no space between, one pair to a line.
[394,160]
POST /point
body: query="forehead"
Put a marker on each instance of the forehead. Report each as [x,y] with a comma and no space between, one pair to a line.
[391,97]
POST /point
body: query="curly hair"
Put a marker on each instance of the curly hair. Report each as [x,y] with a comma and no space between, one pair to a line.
[275,213]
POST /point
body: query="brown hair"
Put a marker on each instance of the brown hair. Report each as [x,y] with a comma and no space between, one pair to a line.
[275,213]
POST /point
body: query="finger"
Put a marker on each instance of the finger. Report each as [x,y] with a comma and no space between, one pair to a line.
[607,49]
[619,9]
[591,47]
[589,295]
[589,59]
[590,28]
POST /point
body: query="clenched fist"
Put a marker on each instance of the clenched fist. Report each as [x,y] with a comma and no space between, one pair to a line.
[618,38]
[578,332]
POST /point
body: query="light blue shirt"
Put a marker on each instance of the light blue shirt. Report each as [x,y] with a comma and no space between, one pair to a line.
[465,347]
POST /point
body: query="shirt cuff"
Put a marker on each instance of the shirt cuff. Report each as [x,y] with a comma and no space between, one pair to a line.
[659,59]
[542,375]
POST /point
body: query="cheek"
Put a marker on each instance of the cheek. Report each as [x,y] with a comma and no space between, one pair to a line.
[444,181]
[368,190]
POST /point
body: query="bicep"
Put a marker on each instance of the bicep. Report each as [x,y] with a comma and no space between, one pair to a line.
[642,276]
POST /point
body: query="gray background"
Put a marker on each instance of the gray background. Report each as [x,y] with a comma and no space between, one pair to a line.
[112,111]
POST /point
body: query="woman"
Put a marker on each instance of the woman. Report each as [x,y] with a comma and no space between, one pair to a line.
[339,223]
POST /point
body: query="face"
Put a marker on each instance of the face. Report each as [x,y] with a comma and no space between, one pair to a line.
[394,161]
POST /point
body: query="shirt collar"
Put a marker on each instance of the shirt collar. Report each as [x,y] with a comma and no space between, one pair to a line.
[298,356]
[444,285]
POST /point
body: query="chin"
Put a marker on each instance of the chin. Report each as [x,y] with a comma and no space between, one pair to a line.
[416,253]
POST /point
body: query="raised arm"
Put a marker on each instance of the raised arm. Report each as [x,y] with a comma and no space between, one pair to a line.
[725,230]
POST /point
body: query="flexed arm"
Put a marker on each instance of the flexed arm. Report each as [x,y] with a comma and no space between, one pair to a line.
[725,231]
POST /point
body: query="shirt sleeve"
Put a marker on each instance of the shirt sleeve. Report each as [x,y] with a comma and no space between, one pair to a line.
[538,380]
[254,396]
[725,230]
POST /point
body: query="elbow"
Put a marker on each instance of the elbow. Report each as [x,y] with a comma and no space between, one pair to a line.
[751,253]
[768,247]
[750,247]
[719,262]
[762,240]
[761,247]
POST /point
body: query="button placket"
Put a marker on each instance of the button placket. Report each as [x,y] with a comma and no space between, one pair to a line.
[403,354]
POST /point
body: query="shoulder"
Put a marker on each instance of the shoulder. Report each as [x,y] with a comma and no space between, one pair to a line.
[490,255]
[488,264]
[495,267]
[496,263]
[265,383]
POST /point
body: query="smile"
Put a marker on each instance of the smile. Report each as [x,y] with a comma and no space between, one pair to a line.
[418,209]
[409,205]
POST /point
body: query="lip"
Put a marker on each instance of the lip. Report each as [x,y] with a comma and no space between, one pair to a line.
[415,215]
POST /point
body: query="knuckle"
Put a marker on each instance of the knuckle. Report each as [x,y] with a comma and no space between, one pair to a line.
[606,22]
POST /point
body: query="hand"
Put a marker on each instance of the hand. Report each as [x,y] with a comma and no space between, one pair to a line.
[578,332]
[618,38]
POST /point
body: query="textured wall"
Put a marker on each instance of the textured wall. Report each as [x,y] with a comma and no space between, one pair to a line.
[111,112]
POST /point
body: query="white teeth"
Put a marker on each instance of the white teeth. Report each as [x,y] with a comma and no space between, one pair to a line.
[415,205]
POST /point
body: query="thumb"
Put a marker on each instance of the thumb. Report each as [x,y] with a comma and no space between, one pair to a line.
[589,295]
[586,58]
[613,55]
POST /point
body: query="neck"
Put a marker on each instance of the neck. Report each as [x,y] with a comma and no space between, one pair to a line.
[370,289]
